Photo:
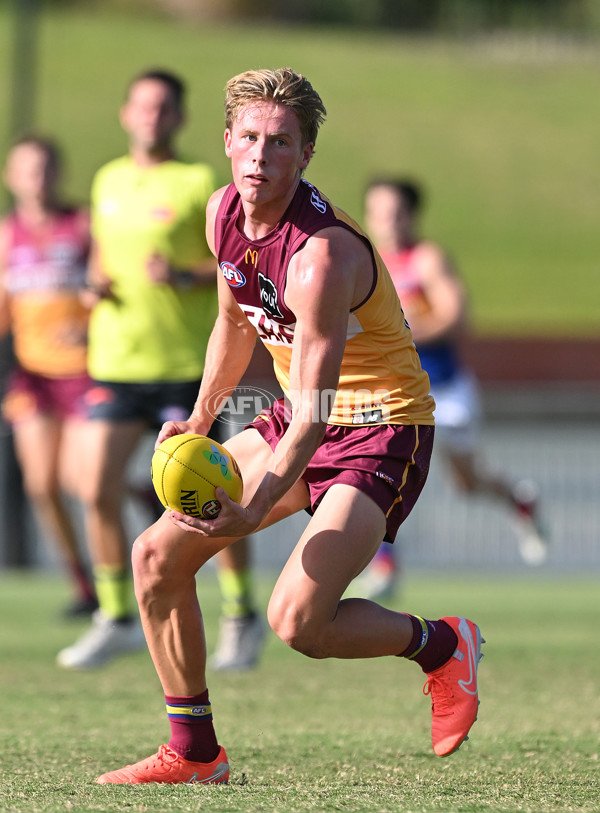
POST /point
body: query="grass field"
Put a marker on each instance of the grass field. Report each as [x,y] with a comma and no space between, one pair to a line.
[502,131]
[317,736]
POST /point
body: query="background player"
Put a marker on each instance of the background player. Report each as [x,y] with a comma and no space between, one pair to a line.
[153,283]
[434,302]
[43,251]
[352,449]
[241,628]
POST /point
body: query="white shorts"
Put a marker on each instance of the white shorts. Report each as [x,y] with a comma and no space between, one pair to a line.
[457,413]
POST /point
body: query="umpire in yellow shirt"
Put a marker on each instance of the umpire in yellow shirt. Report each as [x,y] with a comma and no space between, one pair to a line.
[152,286]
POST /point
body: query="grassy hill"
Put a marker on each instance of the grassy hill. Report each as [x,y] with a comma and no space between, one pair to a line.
[501,131]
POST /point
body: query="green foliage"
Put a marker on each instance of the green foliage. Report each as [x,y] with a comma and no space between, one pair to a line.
[308,735]
[501,130]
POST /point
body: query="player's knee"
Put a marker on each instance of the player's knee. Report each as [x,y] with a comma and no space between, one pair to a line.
[41,491]
[153,570]
[101,497]
[292,626]
[467,484]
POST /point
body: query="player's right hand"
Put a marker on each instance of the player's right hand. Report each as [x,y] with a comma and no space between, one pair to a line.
[170,428]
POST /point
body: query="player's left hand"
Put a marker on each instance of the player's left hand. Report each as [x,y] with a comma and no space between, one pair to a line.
[233,519]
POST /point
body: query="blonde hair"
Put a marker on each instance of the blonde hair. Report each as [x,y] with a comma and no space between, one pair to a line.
[282,86]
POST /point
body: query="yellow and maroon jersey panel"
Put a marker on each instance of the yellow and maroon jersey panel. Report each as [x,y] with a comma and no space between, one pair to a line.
[381,379]
[44,280]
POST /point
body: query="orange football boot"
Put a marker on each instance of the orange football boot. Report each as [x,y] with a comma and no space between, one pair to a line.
[167,766]
[453,689]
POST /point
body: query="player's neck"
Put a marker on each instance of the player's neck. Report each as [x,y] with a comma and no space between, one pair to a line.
[257,224]
[36,212]
[149,158]
[404,243]
[392,247]
[259,219]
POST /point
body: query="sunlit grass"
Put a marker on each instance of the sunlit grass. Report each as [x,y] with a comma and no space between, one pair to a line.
[317,735]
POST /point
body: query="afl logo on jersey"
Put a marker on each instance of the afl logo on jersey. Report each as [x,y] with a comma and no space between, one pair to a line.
[234,277]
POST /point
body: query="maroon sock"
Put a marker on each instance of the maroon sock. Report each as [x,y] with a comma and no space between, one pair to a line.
[192,733]
[82,580]
[432,643]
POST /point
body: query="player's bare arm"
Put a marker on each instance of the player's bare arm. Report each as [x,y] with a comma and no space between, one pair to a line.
[228,355]
[4,304]
[232,339]
[98,283]
[161,271]
[444,294]
[212,207]
[326,279]
[204,273]
[228,352]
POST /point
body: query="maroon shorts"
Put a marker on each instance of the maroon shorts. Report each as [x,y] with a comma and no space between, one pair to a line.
[387,462]
[29,394]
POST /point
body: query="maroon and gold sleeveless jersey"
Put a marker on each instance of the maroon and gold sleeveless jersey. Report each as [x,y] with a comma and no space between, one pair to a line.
[44,280]
[381,379]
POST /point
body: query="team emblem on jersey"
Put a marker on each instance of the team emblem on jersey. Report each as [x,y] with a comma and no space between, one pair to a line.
[317,201]
[234,277]
[268,296]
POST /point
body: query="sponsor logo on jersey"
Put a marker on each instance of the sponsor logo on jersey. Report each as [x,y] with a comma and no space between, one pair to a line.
[268,331]
[370,416]
[268,296]
[234,277]
[251,257]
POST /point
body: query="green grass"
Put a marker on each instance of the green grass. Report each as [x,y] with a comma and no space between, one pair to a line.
[502,132]
[315,736]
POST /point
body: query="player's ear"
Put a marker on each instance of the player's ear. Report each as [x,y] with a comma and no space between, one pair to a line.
[124,116]
[307,154]
[228,142]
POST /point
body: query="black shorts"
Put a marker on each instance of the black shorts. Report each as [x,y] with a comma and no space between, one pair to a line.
[153,402]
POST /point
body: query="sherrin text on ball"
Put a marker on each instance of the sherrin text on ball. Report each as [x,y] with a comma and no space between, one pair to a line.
[186,470]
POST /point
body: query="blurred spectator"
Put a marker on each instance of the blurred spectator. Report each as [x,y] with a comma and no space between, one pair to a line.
[433,300]
[241,630]
[152,282]
[43,251]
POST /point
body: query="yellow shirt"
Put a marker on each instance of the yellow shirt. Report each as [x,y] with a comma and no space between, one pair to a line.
[150,332]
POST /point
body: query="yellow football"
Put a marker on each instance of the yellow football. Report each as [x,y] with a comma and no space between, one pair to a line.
[186,470]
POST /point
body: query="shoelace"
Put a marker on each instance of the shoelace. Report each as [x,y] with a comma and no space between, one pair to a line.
[441,695]
[164,757]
